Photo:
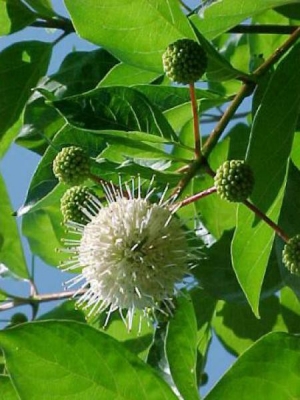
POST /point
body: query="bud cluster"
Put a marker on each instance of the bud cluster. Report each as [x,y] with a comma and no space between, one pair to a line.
[234,181]
[184,61]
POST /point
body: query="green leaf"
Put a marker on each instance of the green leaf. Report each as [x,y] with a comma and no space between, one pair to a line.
[64,360]
[290,212]
[220,16]
[181,348]
[218,68]
[136,34]
[11,251]
[7,391]
[237,328]
[43,180]
[215,273]
[21,66]
[267,154]
[137,340]
[43,7]
[42,225]
[124,74]
[14,16]
[170,97]
[268,370]
[289,304]
[79,72]
[66,311]
[116,108]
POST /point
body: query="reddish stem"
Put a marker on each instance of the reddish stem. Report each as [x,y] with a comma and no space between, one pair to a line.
[194,197]
[265,218]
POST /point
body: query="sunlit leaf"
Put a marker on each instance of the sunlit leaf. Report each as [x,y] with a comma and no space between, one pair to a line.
[70,359]
[123,28]
[267,154]
[269,369]
[181,348]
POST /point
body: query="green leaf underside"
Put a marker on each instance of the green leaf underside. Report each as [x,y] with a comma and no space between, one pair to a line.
[220,16]
[181,348]
[268,370]
[21,66]
[7,391]
[274,124]
[118,108]
[11,251]
[125,33]
[50,359]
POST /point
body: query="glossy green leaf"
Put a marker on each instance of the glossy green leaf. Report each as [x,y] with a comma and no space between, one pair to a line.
[267,154]
[21,66]
[181,348]
[14,16]
[68,359]
[11,251]
[118,108]
[220,16]
[136,32]
[124,74]
[237,328]
[7,391]
[268,370]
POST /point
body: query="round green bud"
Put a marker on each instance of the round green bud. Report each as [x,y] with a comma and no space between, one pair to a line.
[72,165]
[72,203]
[291,255]
[18,318]
[184,61]
[234,181]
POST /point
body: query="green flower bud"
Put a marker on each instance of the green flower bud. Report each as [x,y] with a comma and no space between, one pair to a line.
[291,255]
[184,61]
[72,165]
[234,181]
[72,203]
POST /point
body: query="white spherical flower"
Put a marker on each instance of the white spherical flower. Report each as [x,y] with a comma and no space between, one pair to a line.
[132,253]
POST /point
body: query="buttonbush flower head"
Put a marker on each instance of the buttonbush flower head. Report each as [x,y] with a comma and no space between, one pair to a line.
[133,254]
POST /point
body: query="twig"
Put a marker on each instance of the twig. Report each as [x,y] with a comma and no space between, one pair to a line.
[40,298]
[197,136]
[265,29]
[55,23]
[246,90]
